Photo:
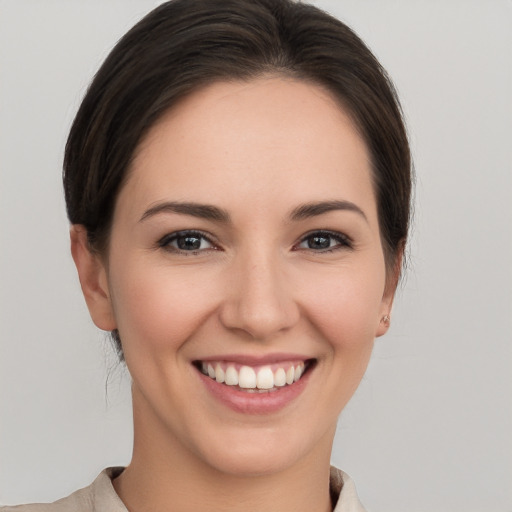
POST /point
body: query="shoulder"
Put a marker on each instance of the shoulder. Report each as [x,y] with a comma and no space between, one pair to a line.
[343,492]
[97,496]
[79,501]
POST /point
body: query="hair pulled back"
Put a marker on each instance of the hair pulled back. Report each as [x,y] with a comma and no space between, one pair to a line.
[184,45]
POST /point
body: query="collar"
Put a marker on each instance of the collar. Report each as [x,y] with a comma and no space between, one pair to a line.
[342,489]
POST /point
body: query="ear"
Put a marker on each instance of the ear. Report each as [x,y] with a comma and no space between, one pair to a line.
[392,278]
[93,279]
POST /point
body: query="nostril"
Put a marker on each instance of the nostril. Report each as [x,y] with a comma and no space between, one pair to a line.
[260,320]
[258,299]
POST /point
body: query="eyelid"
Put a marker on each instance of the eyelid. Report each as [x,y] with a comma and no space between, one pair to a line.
[344,241]
[164,242]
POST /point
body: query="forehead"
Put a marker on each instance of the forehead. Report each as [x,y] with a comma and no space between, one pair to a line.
[234,141]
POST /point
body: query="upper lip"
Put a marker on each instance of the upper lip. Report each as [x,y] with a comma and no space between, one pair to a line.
[255,360]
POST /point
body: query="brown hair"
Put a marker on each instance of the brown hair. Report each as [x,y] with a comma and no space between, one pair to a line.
[183,45]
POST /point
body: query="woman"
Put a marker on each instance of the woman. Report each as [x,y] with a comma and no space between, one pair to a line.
[238,182]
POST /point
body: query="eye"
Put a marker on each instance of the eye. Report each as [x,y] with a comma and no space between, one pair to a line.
[324,241]
[186,241]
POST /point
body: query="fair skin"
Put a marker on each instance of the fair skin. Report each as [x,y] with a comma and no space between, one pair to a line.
[286,269]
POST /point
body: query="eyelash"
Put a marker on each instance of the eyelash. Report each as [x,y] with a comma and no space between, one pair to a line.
[343,241]
[165,242]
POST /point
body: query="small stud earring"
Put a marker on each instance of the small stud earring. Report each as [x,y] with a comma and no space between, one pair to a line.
[385,320]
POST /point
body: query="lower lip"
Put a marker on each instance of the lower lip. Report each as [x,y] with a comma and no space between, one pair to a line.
[255,403]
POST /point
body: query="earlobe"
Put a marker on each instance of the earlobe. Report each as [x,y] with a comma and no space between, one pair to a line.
[386,306]
[383,326]
[93,279]
[388,296]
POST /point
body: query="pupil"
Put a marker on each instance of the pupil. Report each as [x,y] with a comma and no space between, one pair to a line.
[189,243]
[319,242]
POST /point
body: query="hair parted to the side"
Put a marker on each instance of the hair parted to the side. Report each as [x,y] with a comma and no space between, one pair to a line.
[184,45]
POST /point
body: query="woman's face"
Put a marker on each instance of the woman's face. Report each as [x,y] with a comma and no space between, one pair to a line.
[245,244]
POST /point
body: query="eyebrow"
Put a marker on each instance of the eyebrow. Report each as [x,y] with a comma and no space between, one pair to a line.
[203,211]
[309,210]
[214,213]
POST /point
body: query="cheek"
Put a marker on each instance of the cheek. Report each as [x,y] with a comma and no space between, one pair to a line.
[345,314]
[345,306]
[160,308]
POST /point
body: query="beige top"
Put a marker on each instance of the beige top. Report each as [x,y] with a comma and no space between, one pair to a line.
[100,496]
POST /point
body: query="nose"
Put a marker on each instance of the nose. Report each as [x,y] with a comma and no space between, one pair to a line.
[260,299]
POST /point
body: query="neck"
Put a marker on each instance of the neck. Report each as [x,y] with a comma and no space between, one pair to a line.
[163,475]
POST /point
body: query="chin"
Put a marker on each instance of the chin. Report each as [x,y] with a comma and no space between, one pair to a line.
[262,452]
[258,462]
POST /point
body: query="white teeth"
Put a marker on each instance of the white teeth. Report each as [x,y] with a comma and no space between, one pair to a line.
[280,378]
[247,377]
[231,377]
[219,374]
[250,379]
[265,378]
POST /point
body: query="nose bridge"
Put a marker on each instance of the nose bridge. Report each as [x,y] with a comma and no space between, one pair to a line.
[261,300]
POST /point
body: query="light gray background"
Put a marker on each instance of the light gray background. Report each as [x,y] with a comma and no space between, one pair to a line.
[430,427]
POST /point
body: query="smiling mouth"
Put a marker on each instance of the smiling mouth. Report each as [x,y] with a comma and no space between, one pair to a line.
[259,379]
